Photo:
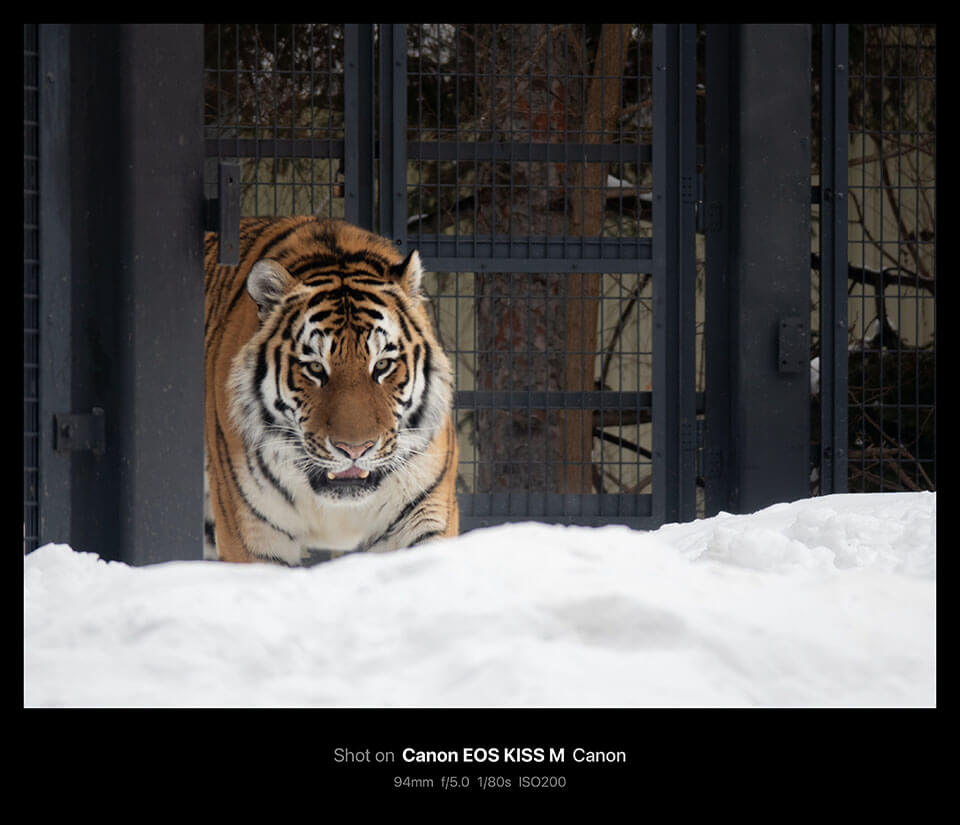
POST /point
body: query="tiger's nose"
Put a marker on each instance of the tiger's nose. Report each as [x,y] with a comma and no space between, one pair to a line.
[355,451]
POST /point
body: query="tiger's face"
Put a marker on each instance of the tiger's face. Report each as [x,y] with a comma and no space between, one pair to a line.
[337,382]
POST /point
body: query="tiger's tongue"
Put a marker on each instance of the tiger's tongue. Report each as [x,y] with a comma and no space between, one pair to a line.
[353,472]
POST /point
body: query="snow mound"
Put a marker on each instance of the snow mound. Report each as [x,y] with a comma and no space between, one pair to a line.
[822,602]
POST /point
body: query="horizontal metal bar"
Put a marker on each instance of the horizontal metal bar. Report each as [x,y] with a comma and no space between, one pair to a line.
[555,506]
[607,400]
[468,523]
[434,264]
[512,399]
[438,150]
[554,152]
[438,264]
[229,147]
[573,254]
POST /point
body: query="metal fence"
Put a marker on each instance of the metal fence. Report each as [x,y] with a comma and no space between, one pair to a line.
[519,160]
[878,250]
[31,289]
[590,202]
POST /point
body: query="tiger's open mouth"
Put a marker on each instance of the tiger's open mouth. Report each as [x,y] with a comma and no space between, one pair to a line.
[352,472]
[352,481]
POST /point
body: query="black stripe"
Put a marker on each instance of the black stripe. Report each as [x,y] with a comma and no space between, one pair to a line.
[322,315]
[405,330]
[277,364]
[417,416]
[427,535]
[273,480]
[275,241]
[291,363]
[225,458]
[301,267]
[411,505]
[373,313]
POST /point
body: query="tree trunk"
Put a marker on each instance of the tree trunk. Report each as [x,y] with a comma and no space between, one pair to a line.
[532,97]
[586,219]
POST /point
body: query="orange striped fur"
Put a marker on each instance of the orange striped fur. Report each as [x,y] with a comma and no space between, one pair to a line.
[328,398]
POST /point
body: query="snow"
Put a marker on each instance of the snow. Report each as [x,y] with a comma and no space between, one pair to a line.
[825,602]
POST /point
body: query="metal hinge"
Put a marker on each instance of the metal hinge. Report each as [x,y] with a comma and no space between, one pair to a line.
[793,351]
[80,431]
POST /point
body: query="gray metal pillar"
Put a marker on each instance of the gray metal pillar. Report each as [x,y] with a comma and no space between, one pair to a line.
[674,283]
[834,97]
[758,264]
[129,286]
[55,373]
[393,133]
[358,148]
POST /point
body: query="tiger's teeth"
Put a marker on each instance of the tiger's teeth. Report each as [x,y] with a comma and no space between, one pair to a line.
[364,474]
[331,476]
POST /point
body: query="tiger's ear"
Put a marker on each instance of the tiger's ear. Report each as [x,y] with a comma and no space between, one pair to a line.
[410,274]
[267,283]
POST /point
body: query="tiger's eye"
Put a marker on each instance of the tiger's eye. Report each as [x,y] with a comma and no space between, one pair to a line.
[382,364]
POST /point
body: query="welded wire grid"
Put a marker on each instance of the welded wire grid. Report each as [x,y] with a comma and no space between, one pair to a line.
[892,255]
[31,287]
[521,144]
[530,144]
[274,100]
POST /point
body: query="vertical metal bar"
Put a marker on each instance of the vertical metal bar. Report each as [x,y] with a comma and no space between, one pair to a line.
[358,124]
[393,133]
[674,218]
[770,260]
[127,244]
[664,158]
[274,128]
[833,258]
[31,286]
[57,139]
[758,191]
[228,205]
[160,447]
[719,225]
[687,271]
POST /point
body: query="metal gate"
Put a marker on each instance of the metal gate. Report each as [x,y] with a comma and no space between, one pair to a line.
[876,382]
[548,177]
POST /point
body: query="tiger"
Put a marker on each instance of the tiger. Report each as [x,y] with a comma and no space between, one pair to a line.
[329,425]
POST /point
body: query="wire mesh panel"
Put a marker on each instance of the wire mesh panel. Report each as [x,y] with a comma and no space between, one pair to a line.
[890,278]
[31,289]
[530,190]
[275,100]
[519,161]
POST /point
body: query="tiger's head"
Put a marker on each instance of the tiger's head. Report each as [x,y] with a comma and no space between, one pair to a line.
[343,381]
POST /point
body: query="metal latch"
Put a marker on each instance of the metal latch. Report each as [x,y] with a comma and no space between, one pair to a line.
[80,431]
[223,213]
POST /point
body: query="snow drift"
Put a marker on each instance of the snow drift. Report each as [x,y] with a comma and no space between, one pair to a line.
[822,602]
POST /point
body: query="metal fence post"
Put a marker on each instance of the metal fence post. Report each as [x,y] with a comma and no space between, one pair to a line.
[358,90]
[833,258]
[123,260]
[393,132]
[674,256]
[55,386]
[758,262]
[719,227]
